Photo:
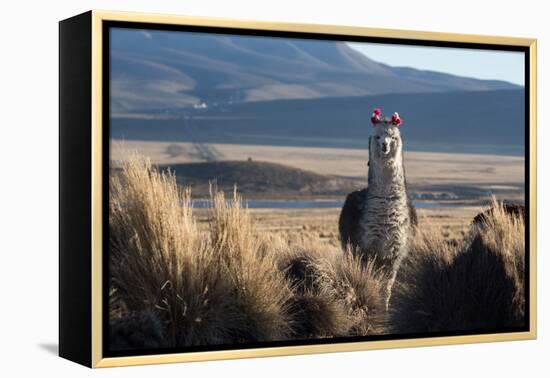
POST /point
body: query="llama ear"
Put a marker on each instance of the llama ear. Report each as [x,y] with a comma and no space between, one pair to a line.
[395,119]
[375,117]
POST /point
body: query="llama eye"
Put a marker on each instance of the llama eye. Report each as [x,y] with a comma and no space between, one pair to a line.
[377,138]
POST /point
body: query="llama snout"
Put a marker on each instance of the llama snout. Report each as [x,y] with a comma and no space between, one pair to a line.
[385,145]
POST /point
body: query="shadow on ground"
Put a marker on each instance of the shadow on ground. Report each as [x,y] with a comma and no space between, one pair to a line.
[51,348]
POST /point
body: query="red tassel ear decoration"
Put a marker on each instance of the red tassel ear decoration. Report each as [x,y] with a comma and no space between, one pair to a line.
[395,119]
[375,117]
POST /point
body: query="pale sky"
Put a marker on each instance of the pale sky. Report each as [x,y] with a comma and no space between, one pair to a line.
[479,64]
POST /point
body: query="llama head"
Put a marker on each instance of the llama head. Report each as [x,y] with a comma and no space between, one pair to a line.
[385,142]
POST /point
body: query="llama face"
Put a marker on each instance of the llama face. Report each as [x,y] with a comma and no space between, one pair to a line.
[385,141]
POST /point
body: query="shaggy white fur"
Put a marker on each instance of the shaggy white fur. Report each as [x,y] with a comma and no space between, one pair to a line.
[377,222]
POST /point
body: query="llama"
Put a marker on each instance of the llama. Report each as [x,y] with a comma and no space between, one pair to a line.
[377,222]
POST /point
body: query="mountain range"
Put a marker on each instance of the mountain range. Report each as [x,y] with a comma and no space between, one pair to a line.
[162,70]
[266,90]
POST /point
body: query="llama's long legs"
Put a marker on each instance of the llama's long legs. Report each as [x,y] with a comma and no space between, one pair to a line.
[389,286]
[391,281]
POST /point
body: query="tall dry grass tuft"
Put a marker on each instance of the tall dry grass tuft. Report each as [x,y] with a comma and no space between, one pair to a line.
[210,287]
[360,287]
[478,284]
[335,295]
[260,290]
[315,312]
[159,261]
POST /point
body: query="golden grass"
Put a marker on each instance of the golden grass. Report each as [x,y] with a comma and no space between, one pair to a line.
[336,294]
[221,285]
[259,288]
[160,263]
[477,284]
[177,283]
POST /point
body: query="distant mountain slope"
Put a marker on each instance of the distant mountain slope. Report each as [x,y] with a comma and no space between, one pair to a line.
[472,122]
[154,73]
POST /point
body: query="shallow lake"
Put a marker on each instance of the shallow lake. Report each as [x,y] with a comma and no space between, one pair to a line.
[310,204]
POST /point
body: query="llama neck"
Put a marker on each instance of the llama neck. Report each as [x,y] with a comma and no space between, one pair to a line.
[387,180]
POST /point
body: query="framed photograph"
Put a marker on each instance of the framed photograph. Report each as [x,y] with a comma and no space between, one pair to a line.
[235,189]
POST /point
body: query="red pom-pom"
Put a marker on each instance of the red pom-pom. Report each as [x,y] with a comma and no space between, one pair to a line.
[375,118]
[395,119]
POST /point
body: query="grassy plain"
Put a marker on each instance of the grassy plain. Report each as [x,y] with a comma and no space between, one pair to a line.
[180,278]
[470,180]
[465,178]
[295,225]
